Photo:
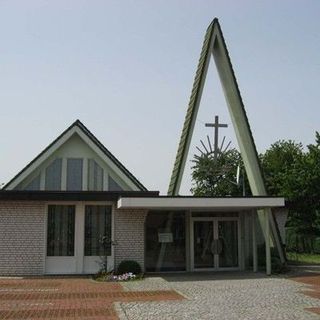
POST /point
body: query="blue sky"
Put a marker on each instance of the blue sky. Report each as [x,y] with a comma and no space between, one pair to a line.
[126,68]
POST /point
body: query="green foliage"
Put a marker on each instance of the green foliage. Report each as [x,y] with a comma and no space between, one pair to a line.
[217,176]
[303,258]
[295,174]
[126,266]
[289,171]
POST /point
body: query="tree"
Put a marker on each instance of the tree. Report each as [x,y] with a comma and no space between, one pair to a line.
[216,176]
[295,174]
[289,171]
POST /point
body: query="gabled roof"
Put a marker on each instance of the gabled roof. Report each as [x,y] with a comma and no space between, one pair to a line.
[85,133]
[214,44]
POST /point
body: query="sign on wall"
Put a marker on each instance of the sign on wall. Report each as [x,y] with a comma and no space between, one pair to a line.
[165,237]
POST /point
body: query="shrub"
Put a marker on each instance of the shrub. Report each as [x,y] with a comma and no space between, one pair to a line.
[127,266]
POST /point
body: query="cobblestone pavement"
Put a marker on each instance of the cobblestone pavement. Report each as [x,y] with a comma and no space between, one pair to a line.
[68,298]
[223,297]
[313,281]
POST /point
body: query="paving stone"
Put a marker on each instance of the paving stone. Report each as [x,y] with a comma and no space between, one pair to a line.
[244,297]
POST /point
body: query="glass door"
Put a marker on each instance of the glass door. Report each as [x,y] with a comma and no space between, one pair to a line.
[215,244]
[228,248]
[203,244]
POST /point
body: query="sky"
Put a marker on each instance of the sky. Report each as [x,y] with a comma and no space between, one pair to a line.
[126,69]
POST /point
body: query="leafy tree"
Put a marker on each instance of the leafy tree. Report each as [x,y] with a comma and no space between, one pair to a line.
[216,176]
[295,174]
[289,171]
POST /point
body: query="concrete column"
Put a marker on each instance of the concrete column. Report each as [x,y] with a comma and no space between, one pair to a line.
[254,243]
[267,240]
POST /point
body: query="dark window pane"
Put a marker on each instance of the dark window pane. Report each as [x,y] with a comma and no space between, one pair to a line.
[95,176]
[53,175]
[60,232]
[113,186]
[165,241]
[74,174]
[33,184]
[97,231]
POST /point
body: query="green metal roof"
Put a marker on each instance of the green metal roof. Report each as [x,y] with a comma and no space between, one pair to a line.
[191,113]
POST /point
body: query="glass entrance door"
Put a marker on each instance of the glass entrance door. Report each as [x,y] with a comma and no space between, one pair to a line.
[203,242]
[215,244]
[228,244]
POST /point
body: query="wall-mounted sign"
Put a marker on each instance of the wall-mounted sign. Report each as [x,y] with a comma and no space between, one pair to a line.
[165,237]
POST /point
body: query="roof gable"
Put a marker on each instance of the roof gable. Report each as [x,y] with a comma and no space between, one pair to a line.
[88,138]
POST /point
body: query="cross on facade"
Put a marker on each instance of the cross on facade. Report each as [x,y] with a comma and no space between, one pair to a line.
[216,125]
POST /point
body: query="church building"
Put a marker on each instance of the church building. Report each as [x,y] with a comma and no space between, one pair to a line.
[75,203]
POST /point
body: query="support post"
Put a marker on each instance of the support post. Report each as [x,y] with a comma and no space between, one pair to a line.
[254,243]
[267,240]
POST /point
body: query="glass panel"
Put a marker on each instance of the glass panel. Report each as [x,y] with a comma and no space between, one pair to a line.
[97,231]
[228,244]
[74,174]
[53,175]
[33,184]
[60,233]
[165,241]
[203,244]
[113,186]
[95,176]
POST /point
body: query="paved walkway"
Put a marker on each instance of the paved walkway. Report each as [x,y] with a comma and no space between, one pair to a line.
[68,298]
[220,296]
[224,297]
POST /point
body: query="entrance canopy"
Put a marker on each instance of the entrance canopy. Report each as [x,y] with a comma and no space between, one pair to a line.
[178,203]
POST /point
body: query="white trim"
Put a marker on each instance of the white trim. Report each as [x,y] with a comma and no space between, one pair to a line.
[64,167]
[85,169]
[199,203]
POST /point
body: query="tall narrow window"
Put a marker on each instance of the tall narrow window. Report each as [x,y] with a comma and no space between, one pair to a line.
[95,176]
[74,174]
[53,175]
[60,232]
[97,231]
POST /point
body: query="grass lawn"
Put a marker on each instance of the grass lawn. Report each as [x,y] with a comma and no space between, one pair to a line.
[301,258]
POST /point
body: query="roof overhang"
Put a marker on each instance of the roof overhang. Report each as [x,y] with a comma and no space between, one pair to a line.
[14,195]
[200,203]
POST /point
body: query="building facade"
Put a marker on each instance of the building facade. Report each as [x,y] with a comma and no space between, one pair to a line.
[75,209]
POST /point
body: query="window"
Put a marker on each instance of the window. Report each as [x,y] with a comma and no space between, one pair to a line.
[165,241]
[113,186]
[60,233]
[74,174]
[33,184]
[97,230]
[53,175]
[95,176]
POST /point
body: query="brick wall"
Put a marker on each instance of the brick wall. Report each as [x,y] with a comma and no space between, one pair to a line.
[129,235]
[22,238]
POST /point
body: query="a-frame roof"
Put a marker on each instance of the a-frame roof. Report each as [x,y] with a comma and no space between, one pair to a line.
[214,44]
[90,138]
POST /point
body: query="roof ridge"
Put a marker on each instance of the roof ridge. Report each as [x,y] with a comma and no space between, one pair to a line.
[94,139]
